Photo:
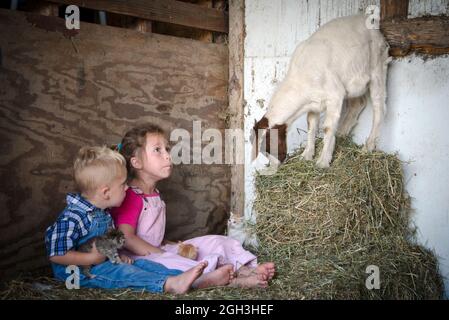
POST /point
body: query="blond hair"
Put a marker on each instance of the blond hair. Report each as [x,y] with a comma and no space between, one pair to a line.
[97,166]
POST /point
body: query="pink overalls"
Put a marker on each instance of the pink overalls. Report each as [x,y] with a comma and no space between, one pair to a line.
[217,250]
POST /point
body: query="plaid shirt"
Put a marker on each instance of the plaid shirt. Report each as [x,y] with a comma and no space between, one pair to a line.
[72,224]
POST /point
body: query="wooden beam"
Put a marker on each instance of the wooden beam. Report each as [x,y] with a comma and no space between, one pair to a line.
[393,9]
[236,41]
[170,11]
[426,35]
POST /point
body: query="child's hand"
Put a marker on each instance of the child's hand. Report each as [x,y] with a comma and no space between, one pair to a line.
[96,256]
[126,259]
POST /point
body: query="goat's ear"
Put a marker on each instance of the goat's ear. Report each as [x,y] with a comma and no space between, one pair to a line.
[282,143]
[254,126]
[255,143]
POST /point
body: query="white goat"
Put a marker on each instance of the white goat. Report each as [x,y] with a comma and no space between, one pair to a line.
[342,60]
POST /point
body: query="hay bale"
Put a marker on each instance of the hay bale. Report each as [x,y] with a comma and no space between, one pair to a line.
[324,227]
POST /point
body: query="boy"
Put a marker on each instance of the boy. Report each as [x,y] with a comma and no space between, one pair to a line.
[100,174]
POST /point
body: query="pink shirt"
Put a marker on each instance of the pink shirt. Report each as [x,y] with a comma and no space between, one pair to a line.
[130,210]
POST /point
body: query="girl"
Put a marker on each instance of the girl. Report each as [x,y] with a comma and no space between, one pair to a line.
[141,218]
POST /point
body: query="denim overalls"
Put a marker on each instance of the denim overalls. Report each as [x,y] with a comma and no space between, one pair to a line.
[142,275]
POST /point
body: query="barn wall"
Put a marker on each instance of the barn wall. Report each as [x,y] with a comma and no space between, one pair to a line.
[418,109]
[58,93]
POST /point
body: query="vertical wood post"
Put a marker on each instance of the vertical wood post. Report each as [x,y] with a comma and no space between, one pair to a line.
[393,9]
[236,57]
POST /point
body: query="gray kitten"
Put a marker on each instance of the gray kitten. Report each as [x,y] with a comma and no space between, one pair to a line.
[107,245]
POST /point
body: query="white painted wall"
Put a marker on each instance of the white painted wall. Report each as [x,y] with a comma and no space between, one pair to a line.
[418,104]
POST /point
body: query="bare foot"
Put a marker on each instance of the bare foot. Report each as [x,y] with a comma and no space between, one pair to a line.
[181,284]
[268,269]
[219,277]
[252,281]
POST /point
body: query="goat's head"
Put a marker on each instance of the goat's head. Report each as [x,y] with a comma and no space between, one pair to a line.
[281,130]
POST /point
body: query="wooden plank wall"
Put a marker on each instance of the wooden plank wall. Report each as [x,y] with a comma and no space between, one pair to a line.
[60,90]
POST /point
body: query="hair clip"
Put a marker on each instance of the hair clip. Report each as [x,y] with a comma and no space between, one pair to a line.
[119,147]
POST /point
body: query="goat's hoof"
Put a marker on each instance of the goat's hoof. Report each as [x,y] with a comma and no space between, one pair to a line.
[322,164]
[307,155]
[369,146]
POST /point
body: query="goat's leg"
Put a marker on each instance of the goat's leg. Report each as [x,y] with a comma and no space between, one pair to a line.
[378,97]
[343,115]
[313,119]
[353,109]
[333,112]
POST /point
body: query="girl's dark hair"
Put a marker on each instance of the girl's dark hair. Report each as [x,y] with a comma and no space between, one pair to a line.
[135,139]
